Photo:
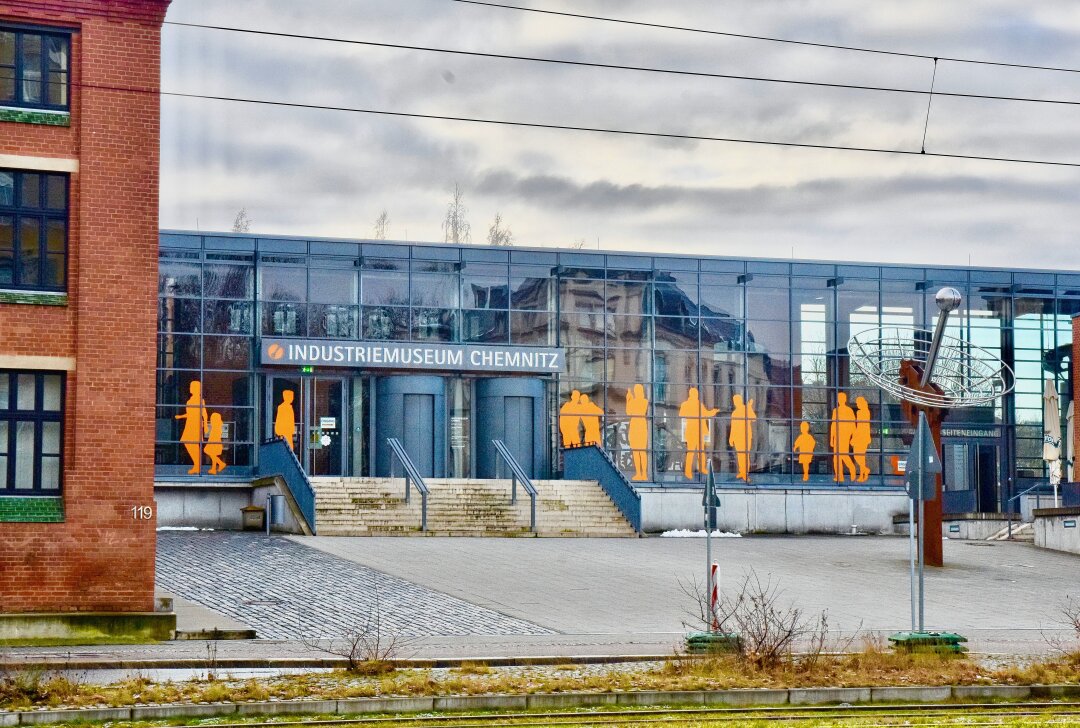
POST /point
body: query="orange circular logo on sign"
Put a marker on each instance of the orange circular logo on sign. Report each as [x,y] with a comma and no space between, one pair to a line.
[275,351]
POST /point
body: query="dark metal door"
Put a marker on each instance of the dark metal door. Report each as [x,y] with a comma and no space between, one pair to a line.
[519,431]
[419,426]
[986,477]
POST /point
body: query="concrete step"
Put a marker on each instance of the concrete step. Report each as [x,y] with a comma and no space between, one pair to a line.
[375,506]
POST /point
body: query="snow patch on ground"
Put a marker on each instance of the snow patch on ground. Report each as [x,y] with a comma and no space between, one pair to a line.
[686,533]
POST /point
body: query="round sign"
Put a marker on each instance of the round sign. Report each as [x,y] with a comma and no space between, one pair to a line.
[325,440]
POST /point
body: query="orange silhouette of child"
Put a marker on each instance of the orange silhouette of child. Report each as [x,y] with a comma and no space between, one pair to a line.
[638,436]
[804,446]
[196,425]
[285,419]
[213,444]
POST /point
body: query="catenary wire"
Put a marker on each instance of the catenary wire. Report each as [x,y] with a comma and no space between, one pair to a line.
[592,129]
[621,132]
[771,39]
[624,67]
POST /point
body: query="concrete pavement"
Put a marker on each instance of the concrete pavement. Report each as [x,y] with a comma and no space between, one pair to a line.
[477,598]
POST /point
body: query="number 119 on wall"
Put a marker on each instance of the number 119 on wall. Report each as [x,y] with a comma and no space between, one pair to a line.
[142,513]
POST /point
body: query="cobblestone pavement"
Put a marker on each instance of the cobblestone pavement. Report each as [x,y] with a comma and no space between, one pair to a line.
[286,590]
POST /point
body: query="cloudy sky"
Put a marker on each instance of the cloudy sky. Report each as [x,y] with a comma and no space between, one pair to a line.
[330,173]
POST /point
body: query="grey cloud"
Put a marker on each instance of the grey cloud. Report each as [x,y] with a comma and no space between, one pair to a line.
[557,192]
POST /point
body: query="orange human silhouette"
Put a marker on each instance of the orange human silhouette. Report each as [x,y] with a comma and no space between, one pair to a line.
[841,432]
[860,440]
[637,407]
[590,417]
[196,425]
[570,420]
[285,418]
[741,434]
[804,447]
[695,430]
[214,445]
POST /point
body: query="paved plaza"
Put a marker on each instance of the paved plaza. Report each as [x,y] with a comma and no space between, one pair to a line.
[491,597]
[285,590]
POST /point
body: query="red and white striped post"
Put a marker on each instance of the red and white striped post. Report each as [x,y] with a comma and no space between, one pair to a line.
[713,598]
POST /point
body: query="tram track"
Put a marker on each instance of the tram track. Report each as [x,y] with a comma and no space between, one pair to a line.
[865,716]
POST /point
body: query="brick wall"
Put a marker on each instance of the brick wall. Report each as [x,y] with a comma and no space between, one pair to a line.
[99,558]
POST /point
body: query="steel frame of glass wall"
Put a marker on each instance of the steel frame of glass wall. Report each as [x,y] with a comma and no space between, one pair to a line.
[771,331]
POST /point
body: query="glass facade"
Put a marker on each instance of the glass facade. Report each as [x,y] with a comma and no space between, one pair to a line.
[774,332]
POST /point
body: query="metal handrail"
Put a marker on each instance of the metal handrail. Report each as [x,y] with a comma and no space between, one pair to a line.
[412,475]
[516,474]
[276,458]
[1008,511]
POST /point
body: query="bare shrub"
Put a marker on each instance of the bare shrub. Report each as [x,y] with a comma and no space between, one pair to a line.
[1068,615]
[1070,611]
[368,645]
[769,628]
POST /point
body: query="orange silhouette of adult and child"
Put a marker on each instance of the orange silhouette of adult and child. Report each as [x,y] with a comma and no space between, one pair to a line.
[849,435]
[580,413]
[199,423]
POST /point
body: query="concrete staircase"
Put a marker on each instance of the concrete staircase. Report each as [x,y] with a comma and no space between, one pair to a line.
[1021,531]
[376,507]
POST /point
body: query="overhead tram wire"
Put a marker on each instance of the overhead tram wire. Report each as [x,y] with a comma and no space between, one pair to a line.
[591,129]
[622,67]
[618,132]
[771,39]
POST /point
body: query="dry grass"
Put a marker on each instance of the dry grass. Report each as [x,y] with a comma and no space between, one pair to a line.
[871,666]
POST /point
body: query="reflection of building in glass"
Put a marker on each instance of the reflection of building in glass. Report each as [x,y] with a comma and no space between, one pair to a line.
[775,332]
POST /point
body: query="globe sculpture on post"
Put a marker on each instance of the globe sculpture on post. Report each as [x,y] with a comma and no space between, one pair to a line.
[932,377]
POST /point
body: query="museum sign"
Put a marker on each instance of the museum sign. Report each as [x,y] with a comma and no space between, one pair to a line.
[407,355]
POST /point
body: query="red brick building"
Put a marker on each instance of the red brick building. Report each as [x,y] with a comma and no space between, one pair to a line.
[79,119]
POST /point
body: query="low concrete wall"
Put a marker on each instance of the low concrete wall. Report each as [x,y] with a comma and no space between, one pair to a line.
[1058,529]
[203,505]
[88,627]
[780,510]
[965,526]
[206,504]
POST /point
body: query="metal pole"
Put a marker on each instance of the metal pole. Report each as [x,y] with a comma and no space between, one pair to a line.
[922,561]
[708,561]
[935,345]
[911,555]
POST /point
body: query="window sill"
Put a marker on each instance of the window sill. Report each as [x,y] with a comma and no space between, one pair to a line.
[31,509]
[34,298]
[43,117]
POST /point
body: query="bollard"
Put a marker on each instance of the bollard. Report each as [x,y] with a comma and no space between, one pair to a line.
[713,598]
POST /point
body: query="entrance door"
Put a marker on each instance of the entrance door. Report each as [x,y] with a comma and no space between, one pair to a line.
[317,417]
[971,476]
[986,477]
[518,417]
[420,424]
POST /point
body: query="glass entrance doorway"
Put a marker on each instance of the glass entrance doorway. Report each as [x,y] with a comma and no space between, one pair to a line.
[312,407]
[971,476]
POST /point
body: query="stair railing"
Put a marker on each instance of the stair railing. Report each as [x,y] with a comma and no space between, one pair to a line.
[517,473]
[412,477]
[1008,506]
[590,462]
[277,459]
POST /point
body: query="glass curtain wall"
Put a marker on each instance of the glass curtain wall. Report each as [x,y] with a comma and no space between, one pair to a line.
[648,340]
